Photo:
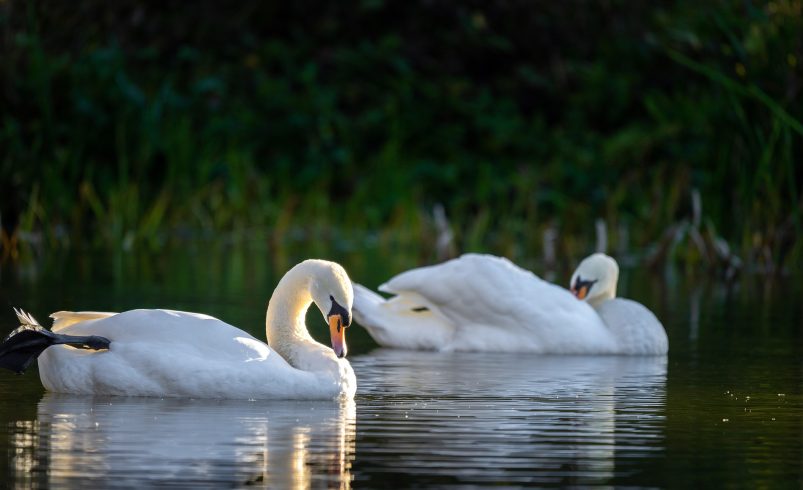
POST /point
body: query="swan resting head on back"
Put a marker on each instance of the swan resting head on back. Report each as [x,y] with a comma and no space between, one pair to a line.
[595,279]
[485,303]
[636,328]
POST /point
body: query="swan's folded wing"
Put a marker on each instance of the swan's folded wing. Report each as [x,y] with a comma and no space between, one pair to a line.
[483,290]
[63,319]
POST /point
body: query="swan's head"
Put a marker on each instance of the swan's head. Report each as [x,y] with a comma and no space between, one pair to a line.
[333,295]
[595,279]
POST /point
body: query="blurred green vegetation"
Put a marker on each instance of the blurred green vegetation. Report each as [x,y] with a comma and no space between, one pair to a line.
[130,124]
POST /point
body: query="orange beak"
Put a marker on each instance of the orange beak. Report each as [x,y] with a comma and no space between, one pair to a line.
[581,292]
[338,333]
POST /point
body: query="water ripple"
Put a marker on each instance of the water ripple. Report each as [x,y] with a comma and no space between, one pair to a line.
[127,442]
[506,419]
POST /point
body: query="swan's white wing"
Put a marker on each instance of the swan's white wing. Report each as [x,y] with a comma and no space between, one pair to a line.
[63,319]
[495,305]
[637,329]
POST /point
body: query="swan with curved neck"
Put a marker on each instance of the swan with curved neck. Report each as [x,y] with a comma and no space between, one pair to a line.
[486,303]
[175,353]
[312,281]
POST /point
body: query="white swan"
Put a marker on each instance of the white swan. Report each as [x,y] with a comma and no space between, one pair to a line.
[486,303]
[181,354]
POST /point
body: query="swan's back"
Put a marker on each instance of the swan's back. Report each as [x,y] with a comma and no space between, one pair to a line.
[172,332]
[637,329]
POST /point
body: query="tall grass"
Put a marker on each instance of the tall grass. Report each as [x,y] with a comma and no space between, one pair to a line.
[130,127]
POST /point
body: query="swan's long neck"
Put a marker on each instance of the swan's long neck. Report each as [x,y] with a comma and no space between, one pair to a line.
[285,323]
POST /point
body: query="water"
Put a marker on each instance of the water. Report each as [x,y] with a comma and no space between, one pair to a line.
[466,418]
[724,409]
[130,442]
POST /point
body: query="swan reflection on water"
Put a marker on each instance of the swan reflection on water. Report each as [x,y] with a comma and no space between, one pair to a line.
[114,441]
[423,418]
[479,418]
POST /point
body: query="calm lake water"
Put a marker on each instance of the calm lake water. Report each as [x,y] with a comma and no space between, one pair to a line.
[724,409]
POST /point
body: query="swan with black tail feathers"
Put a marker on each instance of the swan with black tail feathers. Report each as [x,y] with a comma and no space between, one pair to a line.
[182,354]
[487,303]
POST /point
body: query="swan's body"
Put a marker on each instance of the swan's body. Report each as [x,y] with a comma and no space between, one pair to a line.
[175,353]
[486,303]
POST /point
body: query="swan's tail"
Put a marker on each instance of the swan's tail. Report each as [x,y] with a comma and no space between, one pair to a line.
[25,343]
[405,321]
[365,307]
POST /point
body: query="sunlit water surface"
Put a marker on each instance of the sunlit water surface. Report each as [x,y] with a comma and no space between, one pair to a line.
[723,409]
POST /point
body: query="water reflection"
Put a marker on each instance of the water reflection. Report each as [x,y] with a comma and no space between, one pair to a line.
[469,418]
[125,442]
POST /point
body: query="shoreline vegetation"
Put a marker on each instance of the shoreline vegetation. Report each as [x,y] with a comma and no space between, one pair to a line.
[669,133]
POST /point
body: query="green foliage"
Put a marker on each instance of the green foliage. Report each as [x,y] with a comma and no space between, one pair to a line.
[129,126]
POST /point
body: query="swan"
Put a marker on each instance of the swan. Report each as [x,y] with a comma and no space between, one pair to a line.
[170,353]
[485,303]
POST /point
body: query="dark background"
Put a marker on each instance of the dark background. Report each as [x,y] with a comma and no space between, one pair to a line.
[142,124]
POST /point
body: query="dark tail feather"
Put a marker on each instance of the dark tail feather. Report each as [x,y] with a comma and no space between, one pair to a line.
[26,343]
